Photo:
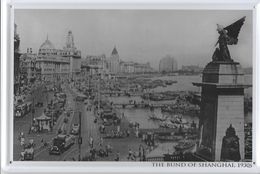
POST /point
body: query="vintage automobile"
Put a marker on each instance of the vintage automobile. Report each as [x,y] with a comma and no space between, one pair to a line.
[75,129]
[23,109]
[61,143]
[39,104]
[81,98]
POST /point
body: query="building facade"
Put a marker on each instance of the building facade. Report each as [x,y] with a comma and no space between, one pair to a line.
[114,62]
[168,64]
[28,66]
[133,67]
[95,64]
[55,64]
[74,55]
[97,60]
[127,67]
[16,60]
[52,63]
[143,68]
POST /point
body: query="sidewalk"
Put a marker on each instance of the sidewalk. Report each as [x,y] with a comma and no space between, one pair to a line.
[23,124]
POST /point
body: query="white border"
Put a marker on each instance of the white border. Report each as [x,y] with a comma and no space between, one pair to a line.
[102,167]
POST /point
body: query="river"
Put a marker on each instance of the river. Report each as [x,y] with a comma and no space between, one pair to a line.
[184,83]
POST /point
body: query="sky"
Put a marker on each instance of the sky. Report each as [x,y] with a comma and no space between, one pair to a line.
[139,35]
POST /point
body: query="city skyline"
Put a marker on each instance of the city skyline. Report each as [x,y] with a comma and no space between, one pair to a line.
[143,37]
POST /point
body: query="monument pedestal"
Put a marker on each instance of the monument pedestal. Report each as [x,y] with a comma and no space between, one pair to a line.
[222,112]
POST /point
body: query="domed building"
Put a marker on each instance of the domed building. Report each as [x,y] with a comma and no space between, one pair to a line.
[47,48]
[168,64]
[52,63]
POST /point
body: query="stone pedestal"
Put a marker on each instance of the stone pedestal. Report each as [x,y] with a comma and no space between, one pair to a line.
[222,106]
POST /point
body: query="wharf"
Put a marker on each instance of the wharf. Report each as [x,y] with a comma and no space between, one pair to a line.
[159,130]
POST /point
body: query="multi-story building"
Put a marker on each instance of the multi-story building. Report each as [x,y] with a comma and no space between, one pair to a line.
[55,64]
[52,63]
[97,60]
[113,62]
[168,64]
[74,55]
[127,67]
[28,65]
[133,67]
[95,64]
[16,60]
[143,68]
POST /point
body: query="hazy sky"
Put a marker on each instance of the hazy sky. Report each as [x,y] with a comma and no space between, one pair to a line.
[139,35]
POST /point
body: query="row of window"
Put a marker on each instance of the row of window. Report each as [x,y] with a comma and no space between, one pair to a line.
[55,52]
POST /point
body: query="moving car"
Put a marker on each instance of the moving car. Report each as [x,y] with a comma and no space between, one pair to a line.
[81,98]
[75,129]
[61,143]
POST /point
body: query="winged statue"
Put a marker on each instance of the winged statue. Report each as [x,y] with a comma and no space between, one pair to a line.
[227,36]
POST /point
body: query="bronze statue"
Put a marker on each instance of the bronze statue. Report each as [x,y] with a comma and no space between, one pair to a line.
[227,36]
[230,146]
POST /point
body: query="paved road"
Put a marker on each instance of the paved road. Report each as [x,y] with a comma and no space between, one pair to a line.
[88,128]
[43,155]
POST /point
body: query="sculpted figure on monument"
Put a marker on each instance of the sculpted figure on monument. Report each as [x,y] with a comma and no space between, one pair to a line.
[227,36]
[230,146]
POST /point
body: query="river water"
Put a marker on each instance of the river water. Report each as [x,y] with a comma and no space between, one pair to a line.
[184,83]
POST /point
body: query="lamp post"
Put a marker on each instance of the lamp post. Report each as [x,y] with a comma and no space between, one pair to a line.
[80,138]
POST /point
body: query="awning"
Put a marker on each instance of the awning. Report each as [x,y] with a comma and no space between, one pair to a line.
[43,117]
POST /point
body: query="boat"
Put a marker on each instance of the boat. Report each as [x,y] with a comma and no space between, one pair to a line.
[159,117]
[185,145]
[170,82]
[168,124]
[169,138]
[176,119]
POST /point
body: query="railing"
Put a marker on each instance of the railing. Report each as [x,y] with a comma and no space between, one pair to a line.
[176,157]
[155,158]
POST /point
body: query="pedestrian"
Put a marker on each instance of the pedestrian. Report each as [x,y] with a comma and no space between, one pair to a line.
[130,154]
[143,137]
[134,156]
[118,128]
[30,130]
[91,142]
[101,142]
[107,150]
[137,133]
[144,154]
[140,151]
[103,128]
[117,156]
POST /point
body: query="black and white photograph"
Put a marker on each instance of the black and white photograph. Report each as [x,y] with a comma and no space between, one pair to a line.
[132,85]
